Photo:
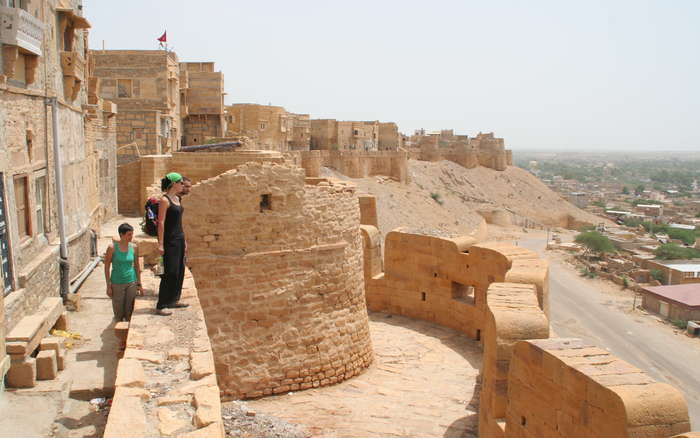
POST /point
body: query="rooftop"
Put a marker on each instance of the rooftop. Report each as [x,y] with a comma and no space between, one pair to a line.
[687,294]
[684,267]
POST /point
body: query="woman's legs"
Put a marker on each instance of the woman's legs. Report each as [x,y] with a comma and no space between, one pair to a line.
[118,294]
[129,297]
[171,281]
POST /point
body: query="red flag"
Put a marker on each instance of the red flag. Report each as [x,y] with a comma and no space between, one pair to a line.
[163,38]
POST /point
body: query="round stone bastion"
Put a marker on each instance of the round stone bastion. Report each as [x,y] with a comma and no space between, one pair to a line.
[278,266]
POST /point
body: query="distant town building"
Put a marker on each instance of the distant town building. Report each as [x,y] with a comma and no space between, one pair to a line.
[652,210]
[677,271]
[679,302]
[271,127]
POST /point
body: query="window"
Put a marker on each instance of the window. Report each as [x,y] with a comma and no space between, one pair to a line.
[22,4]
[5,265]
[21,69]
[263,125]
[24,224]
[40,206]
[355,132]
[463,293]
[108,88]
[265,202]
[30,144]
[104,168]
[124,88]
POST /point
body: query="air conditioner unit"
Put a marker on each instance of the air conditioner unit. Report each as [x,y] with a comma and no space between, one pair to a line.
[694,328]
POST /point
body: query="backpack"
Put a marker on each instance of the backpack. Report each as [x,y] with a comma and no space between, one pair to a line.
[150,217]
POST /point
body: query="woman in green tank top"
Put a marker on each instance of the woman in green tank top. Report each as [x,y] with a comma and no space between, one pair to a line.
[124,280]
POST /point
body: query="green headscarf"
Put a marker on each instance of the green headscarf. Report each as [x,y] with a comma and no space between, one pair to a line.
[173,177]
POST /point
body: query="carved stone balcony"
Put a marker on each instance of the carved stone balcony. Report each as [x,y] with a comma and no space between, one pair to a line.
[73,66]
[20,28]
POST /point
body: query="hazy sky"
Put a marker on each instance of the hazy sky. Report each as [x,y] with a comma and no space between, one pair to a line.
[540,73]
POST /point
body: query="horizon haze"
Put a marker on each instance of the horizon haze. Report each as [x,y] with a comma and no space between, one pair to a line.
[547,74]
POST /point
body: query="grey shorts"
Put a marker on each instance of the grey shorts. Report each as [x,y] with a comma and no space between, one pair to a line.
[123,296]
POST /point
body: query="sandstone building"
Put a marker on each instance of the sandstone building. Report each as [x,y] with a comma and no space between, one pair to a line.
[201,102]
[390,139]
[45,57]
[145,85]
[483,150]
[270,127]
[330,134]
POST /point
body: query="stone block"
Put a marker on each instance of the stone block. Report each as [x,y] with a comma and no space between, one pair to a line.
[178,353]
[201,364]
[208,404]
[61,360]
[214,430]
[127,417]
[26,329]
[46,365]
[169,423]
[130,374]
[56,343]
[22,374]
[149,356]
[121,331]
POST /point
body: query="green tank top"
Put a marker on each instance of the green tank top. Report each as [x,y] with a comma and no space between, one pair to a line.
[122,265]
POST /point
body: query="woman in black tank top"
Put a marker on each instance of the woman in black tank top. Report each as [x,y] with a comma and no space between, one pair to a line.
[171,244]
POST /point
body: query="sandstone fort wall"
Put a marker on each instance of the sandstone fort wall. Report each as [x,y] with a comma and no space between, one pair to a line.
[137,177]
[532,386]
[280,278]
[358,164]
[445,281]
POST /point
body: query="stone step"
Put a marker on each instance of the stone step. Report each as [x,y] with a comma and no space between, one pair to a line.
[25,337]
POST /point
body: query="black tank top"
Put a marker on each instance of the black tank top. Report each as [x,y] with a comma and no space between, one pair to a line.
[173,222]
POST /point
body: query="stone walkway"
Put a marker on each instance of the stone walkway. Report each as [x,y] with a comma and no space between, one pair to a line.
[422,384]
[61,408]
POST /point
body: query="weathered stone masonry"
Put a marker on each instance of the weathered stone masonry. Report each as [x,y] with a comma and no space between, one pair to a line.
[278,265]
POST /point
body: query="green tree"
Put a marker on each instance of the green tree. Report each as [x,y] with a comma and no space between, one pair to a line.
[686,236]
[596,242]
[658,275]
[672,251]
[625,190]
[639,190]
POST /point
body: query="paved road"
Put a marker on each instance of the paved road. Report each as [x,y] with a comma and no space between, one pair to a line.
[577,310]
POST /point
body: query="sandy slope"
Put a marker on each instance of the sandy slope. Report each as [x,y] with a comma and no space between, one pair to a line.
[461,192]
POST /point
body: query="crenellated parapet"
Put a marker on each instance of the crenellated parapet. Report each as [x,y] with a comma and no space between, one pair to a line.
[532,385]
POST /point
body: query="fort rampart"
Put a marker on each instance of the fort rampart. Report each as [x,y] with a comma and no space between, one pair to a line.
[279,273]
[187,402]
[358,164]
[532,386]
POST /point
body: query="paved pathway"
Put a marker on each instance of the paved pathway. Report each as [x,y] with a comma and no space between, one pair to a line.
[422,384]
[61,408]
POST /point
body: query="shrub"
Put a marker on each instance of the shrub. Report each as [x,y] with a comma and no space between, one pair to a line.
[672,251]
[596,242]
[625,282]
[436,198]
[658,275]
[585,272]
[680,323]
[687,236]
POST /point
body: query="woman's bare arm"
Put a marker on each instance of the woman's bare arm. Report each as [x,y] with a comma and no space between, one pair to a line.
[162,212]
